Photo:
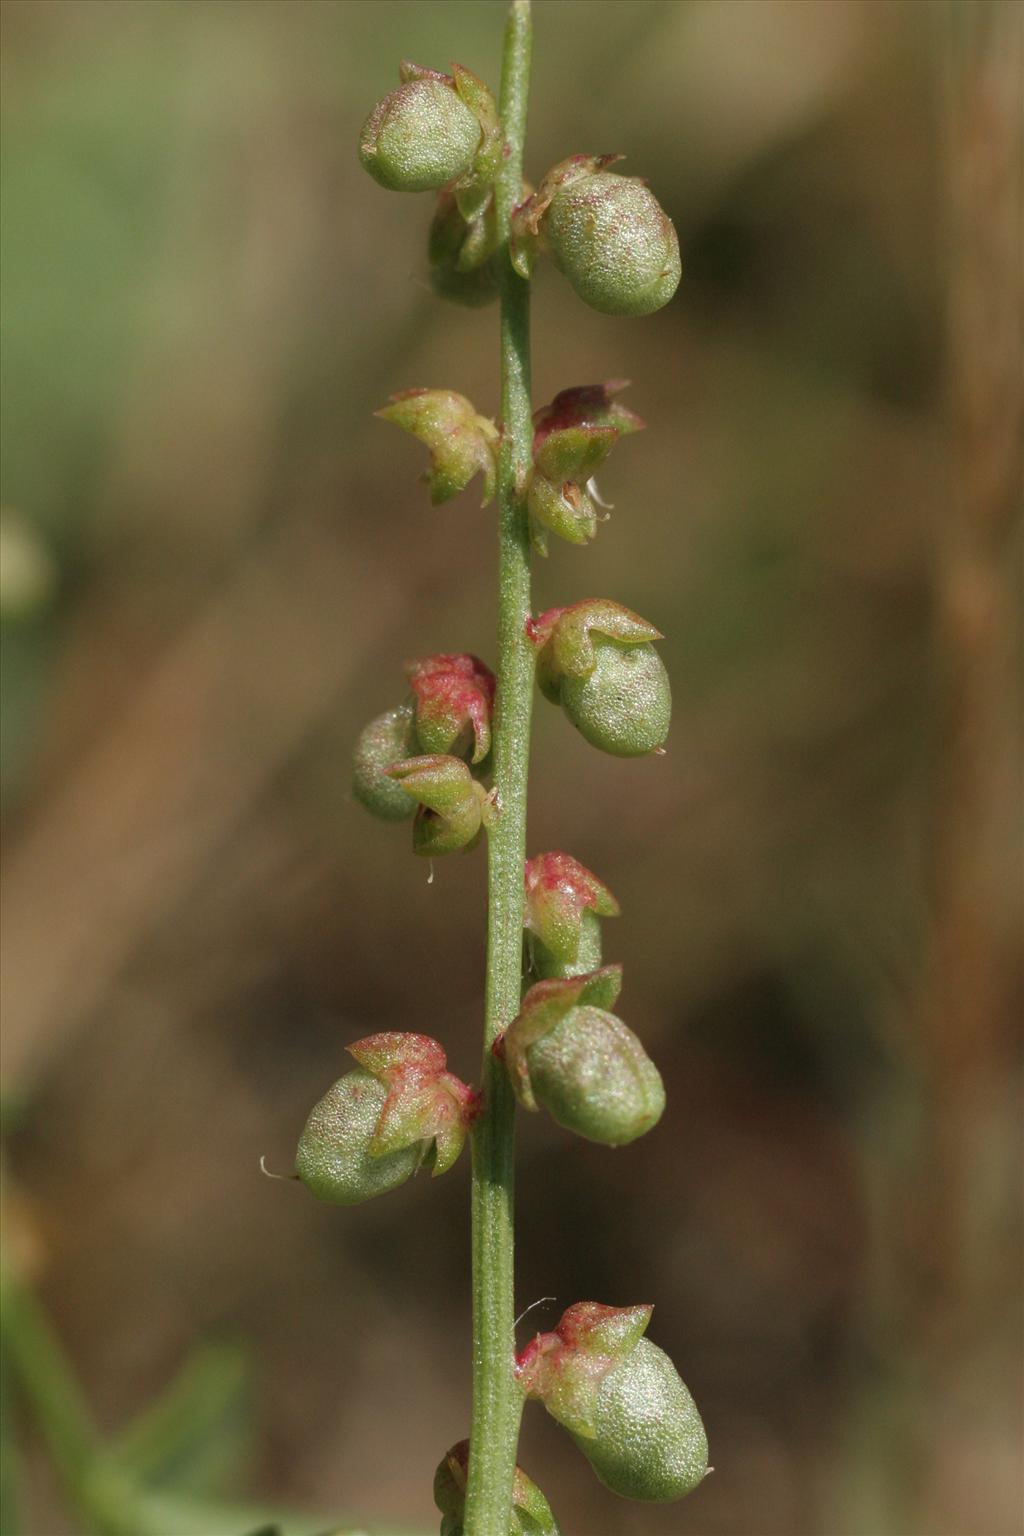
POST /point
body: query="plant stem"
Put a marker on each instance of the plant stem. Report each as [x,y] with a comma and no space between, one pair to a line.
[497,1402]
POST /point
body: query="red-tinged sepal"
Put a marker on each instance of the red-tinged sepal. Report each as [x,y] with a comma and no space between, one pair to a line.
[564,902]
[424,1104]
[452,803]
[564,1369]
[621,1399]
[586,405]
[545,1005]
[572,438]
[565,637]
[462,443]
[530,1515]
[454,702]
[596,659]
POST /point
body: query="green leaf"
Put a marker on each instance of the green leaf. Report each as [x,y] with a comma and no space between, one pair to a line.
[195,1436]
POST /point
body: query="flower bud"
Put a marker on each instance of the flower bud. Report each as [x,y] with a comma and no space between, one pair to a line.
[462,444]
[607,233]
[398,1111]
[586,405]
[452,803]
[583,1064]
[422,135]
[386,740]
[460,253]
[596,660]
[454,697]
[530,1514]
[621,1399]
[564,902]
[573,436]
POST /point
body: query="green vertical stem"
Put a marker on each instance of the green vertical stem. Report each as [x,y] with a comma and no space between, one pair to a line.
[497,1402]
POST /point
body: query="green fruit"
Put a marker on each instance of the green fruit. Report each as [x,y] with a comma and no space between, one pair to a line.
[593,1076]
[386,740]
[625,704]
[650,1443]
[420,137]
[614,242]
[333,1160]
[588,956]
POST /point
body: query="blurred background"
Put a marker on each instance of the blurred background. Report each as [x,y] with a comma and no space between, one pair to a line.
[214,565]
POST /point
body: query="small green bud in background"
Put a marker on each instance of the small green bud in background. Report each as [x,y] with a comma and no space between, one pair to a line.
[452,803]
[621,1399]
[401,1109]
[530,1515]
[566,1052]
[607,233]
[596,659]
[461,442]
[386,740]
[422,135]
[564,902]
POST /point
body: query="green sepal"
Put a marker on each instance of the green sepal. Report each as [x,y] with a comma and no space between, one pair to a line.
[563,509]
[565,638]
[438,781]
[408,70]
[530,1514]
[473,189]
[574,453]
[545,965]
[544,1006]
[334,1160]
[564,1369]
[523,247]
[452,803]
[462,443]
[425,1102]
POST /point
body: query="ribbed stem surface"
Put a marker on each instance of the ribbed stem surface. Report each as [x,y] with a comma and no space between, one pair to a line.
[497,1403]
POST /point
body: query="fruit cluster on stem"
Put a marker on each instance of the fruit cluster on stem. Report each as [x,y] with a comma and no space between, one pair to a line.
[452,756]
